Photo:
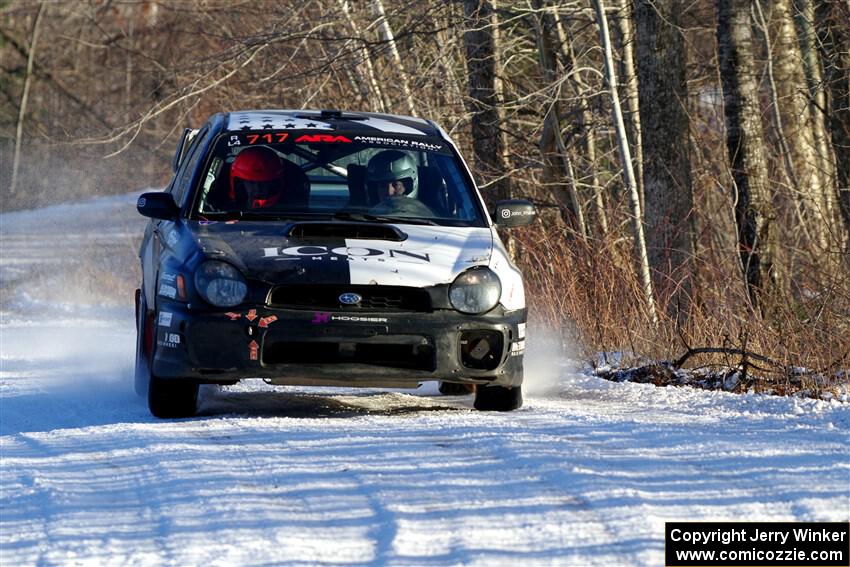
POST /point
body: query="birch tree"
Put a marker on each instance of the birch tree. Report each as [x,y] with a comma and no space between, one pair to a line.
[387,36]
[797,125]
[817,96]
[629,84]
[626,161]
[376,98]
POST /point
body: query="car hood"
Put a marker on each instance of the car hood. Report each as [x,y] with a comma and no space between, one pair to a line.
[427,255]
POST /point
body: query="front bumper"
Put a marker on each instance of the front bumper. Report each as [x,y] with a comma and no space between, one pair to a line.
[340,348]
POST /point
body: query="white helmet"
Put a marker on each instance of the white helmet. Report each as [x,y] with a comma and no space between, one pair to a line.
[393,165]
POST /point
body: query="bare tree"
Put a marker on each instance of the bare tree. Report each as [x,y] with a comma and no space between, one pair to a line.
[629,85]
[626,160]
[22,107]
[499,85]
[817,95]
[796,115]
[478,38]
[584,121]
[387,35]
[834,36]
[745,143]
[668,194]
[557,165]
[376,98]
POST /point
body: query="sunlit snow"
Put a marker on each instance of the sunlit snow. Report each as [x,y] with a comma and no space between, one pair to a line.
[586,473]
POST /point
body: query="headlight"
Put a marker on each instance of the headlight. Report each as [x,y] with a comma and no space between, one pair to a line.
[476,291]
[220,284]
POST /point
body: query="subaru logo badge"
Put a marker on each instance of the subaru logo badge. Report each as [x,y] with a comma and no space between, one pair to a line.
[350,299]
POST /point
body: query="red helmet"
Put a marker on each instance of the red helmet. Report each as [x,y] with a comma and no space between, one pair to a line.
[258,172]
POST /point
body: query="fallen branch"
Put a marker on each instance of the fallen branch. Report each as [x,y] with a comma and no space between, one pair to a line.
[721,350]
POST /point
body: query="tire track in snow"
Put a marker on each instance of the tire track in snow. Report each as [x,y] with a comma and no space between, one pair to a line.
[306,476]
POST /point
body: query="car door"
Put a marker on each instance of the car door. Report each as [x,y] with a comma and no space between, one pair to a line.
[152,242]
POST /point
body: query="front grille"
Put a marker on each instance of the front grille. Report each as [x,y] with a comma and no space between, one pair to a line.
[411,357]
[376,298]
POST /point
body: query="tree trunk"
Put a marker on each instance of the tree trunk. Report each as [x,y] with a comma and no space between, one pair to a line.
[745,143]
[630,83]
[499,92]
[368,87]
[478,38]
[387,35]
[557,166]
[584,124]
[626,159]
[832,18]
[499,84]
[22,108]
[796,122]
[668,194]
[778,131]
[817,96]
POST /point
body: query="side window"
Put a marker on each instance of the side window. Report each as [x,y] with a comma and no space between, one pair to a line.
[194,154]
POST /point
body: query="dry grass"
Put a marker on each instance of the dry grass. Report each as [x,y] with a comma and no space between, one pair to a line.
[590,292]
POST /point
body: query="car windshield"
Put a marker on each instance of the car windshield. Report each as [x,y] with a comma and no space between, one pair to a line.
[274,174]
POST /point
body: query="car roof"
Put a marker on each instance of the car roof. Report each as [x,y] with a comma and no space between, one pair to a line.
[301,119]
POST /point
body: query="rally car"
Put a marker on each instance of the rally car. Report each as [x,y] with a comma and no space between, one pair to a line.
[326,248]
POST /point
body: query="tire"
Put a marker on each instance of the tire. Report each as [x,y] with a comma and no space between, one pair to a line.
[497,398]
[144,344]
[166,398]
[172,398]
[452,389]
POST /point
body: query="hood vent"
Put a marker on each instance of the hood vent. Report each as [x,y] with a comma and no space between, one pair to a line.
[361,230]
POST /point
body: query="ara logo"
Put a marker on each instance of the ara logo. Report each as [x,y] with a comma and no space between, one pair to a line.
[310,138]
[350,253]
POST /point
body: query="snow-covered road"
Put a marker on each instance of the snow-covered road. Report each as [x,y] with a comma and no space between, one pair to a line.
[586,473]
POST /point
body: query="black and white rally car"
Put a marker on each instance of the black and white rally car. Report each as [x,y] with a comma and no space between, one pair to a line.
[326,248]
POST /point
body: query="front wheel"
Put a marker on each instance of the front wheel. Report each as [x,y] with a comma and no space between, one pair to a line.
[498,398]
[172,398]
[144,344]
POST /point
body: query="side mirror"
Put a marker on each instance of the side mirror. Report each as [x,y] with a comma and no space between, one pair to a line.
[157,205]
[514,212]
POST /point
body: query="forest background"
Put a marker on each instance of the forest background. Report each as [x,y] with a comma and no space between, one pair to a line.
[690,160]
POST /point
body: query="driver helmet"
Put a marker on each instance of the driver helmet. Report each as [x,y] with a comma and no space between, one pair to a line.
[257,174]
[393,165]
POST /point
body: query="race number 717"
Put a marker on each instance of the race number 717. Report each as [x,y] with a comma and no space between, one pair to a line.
[267,138]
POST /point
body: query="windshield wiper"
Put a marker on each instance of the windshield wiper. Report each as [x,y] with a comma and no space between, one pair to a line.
[346,215]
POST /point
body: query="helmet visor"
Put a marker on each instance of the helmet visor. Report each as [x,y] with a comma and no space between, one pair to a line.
[392,187]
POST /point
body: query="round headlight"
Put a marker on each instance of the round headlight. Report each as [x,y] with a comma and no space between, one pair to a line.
[475,291]
[220,284]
